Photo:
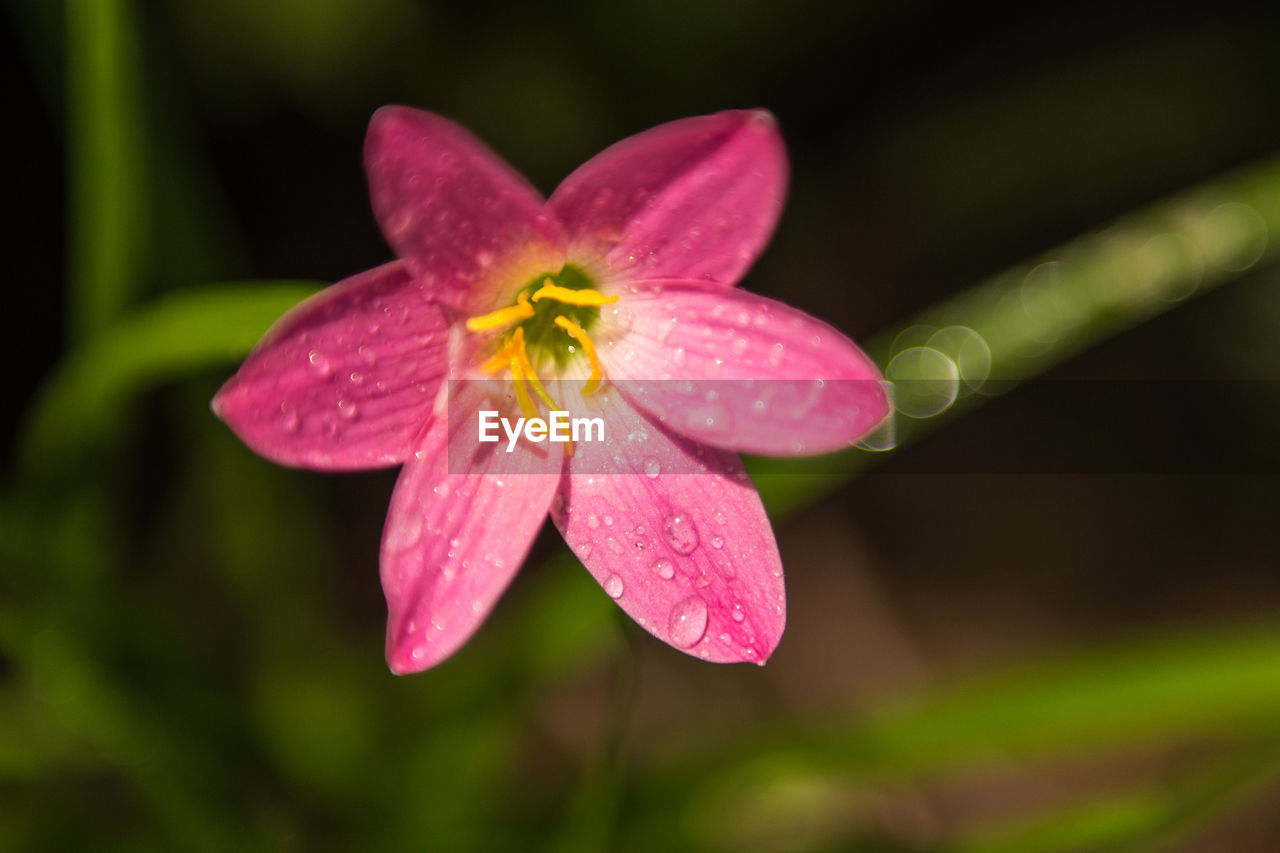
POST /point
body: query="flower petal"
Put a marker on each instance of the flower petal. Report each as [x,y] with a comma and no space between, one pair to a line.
[689,556]
[346,379]
[453,541]
[471,225]
[764,377]
[695,198]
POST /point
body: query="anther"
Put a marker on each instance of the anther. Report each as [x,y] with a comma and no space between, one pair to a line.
[586,296]
[522,310]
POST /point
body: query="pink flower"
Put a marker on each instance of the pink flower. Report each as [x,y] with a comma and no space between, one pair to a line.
[624,276]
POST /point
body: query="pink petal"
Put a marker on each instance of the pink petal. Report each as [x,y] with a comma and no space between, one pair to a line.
[696,198]
[453,541]
[690,557]
[471,225]
[346,379]
[765,378]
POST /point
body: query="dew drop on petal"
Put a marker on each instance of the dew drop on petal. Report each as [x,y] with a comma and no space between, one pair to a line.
[652,467]
[319,365]
[738,615]
[289,421]
[592,521]
[739,346]
[613,586]
[680,532]
[688,622]
[348,409]
[664,569]
[717,542]
[405,532]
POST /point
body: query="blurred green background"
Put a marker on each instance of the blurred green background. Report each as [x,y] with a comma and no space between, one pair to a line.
[1047,620]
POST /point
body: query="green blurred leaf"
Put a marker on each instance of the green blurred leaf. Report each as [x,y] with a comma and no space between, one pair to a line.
[1196,686]
[181,334]
[107,162]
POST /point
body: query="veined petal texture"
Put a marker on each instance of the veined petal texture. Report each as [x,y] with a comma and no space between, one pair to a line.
[689,556]
[346,379]
[453,541]
[758,376]
[470,225]
[696,198]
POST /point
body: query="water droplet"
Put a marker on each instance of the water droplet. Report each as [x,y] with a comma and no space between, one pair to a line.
[405,532]
[319,364]
[738,615]
[348,409]
[739,346]
[584,550]
[680,532]
[717,542]
[615,546]
[724,638]
[677,356]
[608,521]
[441,489]
[688,622]
[356,378]
[664,569]
[289,421]
[367,355]
[592,521]
[613,586]
[652,467]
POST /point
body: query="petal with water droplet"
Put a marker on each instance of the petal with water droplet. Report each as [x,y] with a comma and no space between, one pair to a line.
[453,207]
[453,541]
[796,385]
[695,198]
[740,582]
[294,400]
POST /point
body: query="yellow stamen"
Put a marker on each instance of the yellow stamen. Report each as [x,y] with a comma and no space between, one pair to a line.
[586,296]
[522,393]
[521,353]
[500,360]
[522,310]
[597,373]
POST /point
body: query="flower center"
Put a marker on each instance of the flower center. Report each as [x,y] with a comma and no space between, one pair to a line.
[548,322]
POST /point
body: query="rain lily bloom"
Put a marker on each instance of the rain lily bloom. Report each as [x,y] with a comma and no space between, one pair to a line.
[613,294]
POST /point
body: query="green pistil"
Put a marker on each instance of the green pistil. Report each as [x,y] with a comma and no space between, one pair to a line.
[543,338]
